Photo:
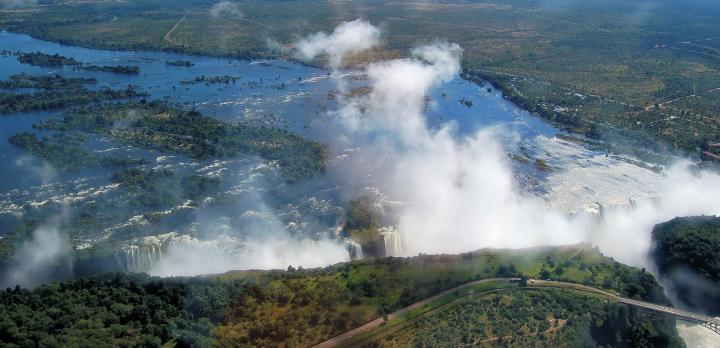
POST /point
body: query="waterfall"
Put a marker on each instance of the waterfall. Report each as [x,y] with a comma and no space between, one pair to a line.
[144,253]
[393,241]
[354,249]
[140,254]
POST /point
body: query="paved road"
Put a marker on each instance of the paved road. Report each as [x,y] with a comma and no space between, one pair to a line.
[340,340]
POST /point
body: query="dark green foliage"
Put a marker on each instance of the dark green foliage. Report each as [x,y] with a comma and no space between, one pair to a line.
[58,61]
[196,186]
[115,69]
[49,82]
[302,307]
[65,156]
[536,318]
[685,251]
[226,79]
[185,63]
[160,189]
[45,60]
[47,100]
[154,188]
[119,310]
[158,126]
[361,215]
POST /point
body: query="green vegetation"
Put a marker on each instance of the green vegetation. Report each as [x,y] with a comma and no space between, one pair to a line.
[362,224]
[160,189]
[58,99]
[45,60]
[226,79]
[48,82]
[64,156]
[156,125]
[115,69]
[185,63]
[58,61]
[601,68]
[533,318]
[685,251]
[196,187]
[303,307]
[112,311]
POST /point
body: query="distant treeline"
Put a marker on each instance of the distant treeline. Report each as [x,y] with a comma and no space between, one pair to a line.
[58,99]
[59,61]
[49,82]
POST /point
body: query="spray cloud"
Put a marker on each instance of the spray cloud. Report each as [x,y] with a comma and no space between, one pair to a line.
[40,259]
[459,192]
[347,38]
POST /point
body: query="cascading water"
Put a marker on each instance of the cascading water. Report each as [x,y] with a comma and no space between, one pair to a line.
[393,241]
[139,254]
[354,249]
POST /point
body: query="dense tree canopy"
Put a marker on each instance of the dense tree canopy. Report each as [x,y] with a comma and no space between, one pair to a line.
[686,253]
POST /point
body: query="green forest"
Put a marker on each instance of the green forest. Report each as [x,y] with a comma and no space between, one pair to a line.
[63,156]
[48,100]
[156,125]
[297,307]
[685,251]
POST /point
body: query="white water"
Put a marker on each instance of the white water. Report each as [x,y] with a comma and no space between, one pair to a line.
[354,249]
[393,241]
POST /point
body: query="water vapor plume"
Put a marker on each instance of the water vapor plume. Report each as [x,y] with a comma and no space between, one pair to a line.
[347,38]
[459,192]
[43,258]
[256,237]
[273,253]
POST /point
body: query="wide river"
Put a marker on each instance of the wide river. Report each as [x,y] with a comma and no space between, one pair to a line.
[284,94]
[275,93]
[280,93]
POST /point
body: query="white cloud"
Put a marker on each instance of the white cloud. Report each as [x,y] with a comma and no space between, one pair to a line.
[461,194]
[347,38]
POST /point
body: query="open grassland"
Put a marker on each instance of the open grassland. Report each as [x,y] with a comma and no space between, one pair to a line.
[648,69]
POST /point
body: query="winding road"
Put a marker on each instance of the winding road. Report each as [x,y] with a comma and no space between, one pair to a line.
[345,338]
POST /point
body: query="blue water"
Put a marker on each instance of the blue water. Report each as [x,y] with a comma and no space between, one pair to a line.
[274,93]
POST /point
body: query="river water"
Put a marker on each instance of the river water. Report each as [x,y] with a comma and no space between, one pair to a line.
[292,96]
[284,94]
[273,93]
